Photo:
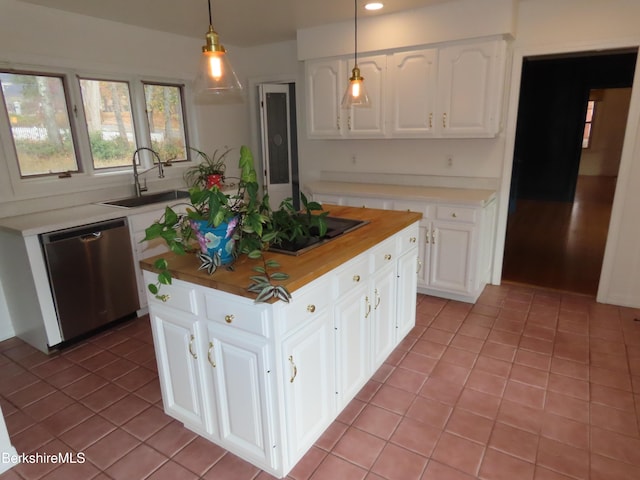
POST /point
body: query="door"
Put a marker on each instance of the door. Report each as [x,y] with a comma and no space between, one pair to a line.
[276,142]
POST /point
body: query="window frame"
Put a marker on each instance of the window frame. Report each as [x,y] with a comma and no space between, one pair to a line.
[88,178]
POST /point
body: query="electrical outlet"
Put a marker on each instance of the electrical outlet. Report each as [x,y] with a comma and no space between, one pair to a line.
[449,158]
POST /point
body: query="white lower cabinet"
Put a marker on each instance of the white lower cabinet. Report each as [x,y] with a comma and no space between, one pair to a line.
[308,370]
[176,341]
[264,381]
[454,241]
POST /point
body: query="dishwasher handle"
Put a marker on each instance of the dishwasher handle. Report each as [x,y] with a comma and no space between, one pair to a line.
[92,237]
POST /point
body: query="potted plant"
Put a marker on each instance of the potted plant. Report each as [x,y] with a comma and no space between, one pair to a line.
[208,171]
[219,227]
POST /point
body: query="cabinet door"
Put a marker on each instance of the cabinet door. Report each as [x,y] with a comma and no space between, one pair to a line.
[353,343]
[176,343]
[451,265]
[369,121]
[413,77]
[470,86]
[383,314]
[238,366]
[324,78]
[308,358]
[408,269]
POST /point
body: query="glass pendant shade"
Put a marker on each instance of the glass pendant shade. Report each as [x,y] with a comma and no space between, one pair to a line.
[216,82]
[356,93]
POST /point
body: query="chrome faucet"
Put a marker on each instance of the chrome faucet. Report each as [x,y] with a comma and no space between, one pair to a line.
[136,175]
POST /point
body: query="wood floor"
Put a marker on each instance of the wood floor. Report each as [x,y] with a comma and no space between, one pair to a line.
[560,245]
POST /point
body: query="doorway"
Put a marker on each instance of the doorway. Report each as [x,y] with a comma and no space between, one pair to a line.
[561,187]
[279,142]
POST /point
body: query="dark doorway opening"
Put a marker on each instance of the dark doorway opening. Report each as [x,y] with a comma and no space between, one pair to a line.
[562,185]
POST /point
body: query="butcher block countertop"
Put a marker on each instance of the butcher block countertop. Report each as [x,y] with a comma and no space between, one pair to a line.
[304,268]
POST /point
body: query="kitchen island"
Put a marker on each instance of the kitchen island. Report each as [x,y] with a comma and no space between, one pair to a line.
[265,380]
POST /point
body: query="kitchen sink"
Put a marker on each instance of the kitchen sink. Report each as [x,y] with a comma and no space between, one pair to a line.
[159,197]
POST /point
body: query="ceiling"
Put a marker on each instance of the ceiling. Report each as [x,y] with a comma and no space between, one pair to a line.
[241,23]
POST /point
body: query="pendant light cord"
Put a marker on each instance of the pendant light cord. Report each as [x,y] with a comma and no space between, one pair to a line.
[355,16]
[210,22]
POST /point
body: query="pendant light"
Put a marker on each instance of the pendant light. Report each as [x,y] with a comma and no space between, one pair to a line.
[356,94]
[216,81]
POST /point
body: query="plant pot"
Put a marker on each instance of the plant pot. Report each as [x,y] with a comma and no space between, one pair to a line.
[214,240]
[214,179]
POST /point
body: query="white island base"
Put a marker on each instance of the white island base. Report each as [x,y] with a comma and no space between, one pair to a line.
[265,380]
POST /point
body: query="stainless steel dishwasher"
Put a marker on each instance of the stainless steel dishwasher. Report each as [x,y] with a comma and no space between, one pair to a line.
[91,275]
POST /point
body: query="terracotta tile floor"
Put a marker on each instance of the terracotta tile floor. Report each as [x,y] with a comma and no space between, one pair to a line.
[525,384]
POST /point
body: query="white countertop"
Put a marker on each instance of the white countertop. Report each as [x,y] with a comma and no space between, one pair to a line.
[426,194]
[52,220]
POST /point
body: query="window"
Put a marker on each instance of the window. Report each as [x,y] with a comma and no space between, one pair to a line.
[588,124]
[53,137]
[37,108]
[107,109]
[165,114]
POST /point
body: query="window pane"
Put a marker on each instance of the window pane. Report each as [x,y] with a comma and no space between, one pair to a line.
[40,127]
[107,107]
[166,120]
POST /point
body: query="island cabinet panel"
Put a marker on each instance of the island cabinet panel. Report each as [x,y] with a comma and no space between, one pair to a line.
[176,340]
[264,381]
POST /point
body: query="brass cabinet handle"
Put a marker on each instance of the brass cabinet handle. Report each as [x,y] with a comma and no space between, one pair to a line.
[163,298]
[294,369]
[366,315]
[193,354]
[387,256]
[338,122]
[454,215]
[211,362]
[349,122]
[444,120]
[419,266]
[311,308]
[377,299]
[426,237]
[433,236]
[356,278]
[412,240]
[229,318]
[430,119]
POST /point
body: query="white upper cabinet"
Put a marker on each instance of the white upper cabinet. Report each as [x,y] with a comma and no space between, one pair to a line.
[446,91]
[324,78]
[470,84]
[326,82]
[413,76]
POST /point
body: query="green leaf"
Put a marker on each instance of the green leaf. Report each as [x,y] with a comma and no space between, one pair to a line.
[254,254]
[279,276]
[272,263]
[161,264]
[164,278]
[260,279]
[152,232]
[153,288]
[266,294]
[259,269]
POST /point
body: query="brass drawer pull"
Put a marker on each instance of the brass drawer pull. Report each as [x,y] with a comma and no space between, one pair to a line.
[229,318]
[211,362]
[193,354]
[412,240]
[454,215]
[366,315]
[356,278]
[294,369]
[311,308]
[377,299]
[387,256]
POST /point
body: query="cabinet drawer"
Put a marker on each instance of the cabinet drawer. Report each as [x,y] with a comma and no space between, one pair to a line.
[366,202]
[409,206]
[354,273]
[178,295]
[384,253]
[251,318]
[306,303]
[456,213]
[407,239]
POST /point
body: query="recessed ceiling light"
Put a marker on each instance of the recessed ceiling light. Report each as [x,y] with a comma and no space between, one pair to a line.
[373,5]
